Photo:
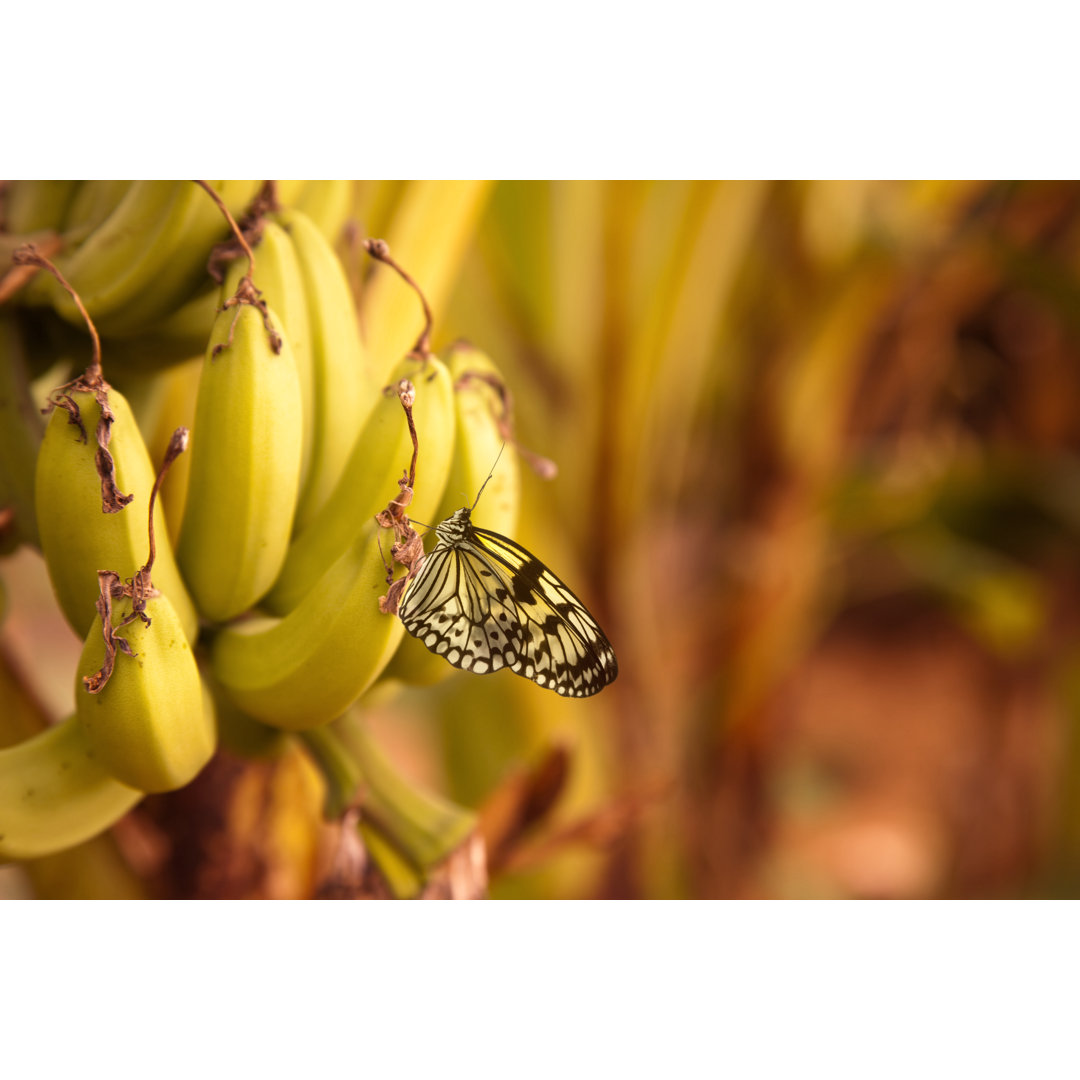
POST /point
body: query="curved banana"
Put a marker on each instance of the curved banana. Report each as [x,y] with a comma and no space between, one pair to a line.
[369,478]
[478,446]
[92,202]
[149,255]
[33,205]
[151,726]
[337,360]
[54,794]
[21,430]
[327,203]
[279,280]
[176,408]
[305,669]
[77,538]
[288,191]
[245,467]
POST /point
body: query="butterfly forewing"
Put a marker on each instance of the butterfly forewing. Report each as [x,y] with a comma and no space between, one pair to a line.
[483,602]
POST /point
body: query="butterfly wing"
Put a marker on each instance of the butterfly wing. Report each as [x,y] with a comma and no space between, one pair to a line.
[565,649]
[459,607]
[483,603]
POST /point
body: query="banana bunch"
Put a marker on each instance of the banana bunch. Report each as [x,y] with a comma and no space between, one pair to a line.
[304,668]
[261,609]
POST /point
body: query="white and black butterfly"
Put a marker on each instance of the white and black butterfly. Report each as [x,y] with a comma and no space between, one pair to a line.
[484,603]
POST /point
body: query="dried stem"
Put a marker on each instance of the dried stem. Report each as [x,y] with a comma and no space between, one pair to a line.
[28,255]
[237,231]
[177,445]
[408,548]
[379,250]
[91,381]
[141,587]
[46,244]
[544,467]
[246,292]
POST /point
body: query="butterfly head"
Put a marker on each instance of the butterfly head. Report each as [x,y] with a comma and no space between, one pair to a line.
[454,528]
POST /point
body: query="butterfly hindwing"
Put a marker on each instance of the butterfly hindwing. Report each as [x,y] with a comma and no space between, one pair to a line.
[483,602]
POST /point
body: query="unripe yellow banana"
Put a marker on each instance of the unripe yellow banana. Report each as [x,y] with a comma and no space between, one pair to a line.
[327,203]
[337,360]
[369,479]
[288,191]
[176,272]
[479,450]
[77,538]
[54,794]
[478,446]
[278,279]
[151,726]
[92,202]
[245,467]
[32,205]
[149,255]
[100,269]
[305,669]
[176,408]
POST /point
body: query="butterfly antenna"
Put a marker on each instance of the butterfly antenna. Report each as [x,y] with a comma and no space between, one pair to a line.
[489,476]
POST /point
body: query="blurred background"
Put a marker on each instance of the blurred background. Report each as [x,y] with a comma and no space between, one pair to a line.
[818,480]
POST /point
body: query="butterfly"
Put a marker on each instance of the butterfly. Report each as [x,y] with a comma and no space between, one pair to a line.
[484,603]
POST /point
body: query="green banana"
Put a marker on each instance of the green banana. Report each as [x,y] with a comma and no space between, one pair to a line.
[245,466]
[480,441]
[367,481]
[33,205]
[281,285]
[149,255]
[288,191]
[478,445]
[327,203]
[151,726]
[337,360]
[92,202]
[54,794]
[178,394]
[21,430]
[304,669]
[173,278]
[77,538]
